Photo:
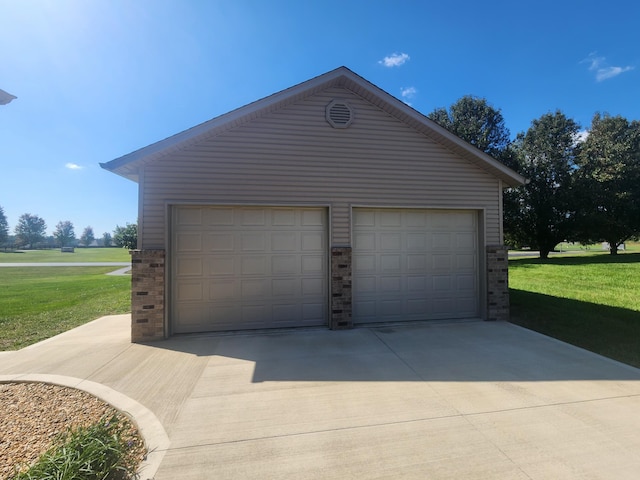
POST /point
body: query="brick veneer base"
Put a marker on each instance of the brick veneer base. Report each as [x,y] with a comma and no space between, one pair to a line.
[147,295]
[497,282]
[341,288]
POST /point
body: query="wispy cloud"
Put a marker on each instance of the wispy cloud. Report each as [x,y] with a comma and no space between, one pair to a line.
[407,94]
[395,60]
[73,166]
[602,69]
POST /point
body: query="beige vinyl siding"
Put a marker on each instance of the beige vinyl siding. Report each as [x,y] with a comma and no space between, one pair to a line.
[294,157]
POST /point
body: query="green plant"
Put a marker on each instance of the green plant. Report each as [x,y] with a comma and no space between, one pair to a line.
[105,450]
[587,300]
[38,303]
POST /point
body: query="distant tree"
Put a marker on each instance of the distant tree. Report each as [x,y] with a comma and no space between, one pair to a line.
[64,233]
[541,214]
[609,180]
[4,228]
[126,237]
[30,230]
[87,236]
[474,120]
[106,239]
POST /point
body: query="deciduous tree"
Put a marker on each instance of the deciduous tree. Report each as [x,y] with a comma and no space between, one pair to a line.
[106,239]
[4,227]
[126,237]
[64,233]
[475,121]
[87,236]
[542,213]
[30,230]
[609,181]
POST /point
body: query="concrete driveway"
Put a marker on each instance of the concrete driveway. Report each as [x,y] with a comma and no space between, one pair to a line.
[450,400]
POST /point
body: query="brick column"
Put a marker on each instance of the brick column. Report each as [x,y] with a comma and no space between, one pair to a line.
[497,282]
[147,295]
[341,288]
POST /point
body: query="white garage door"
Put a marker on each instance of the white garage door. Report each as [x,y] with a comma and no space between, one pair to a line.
[411,264]
[236,268]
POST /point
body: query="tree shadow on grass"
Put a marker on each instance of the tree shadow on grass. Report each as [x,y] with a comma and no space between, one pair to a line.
[610,331]
[576,260]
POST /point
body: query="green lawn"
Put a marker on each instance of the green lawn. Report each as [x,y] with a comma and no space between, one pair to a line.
[590,301]
[38,303]
[80,255]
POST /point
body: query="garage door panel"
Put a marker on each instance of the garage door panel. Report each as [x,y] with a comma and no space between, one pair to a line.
[465,262]
[283,242]
[257,268]
[417,284]
[412,264]
[313,264]
[253,242]
[218,217]
[441,262]
[219,243]
[364,241]
[189,217]
[417,242]
[465,241]
[223,289]
[219,265]
[312,242]
[442,283]
[416,262]
[390,242]
[364,263]
[250,217]
[189,266]
[313,218]
[366,284]
[254,265]
[417,306]
[285,265]
[314,312]
[391,284]
[466,283]
[312,287]
[285,287]
[283,217]
[441,241]
[390,263]
[190,291]
[189,242]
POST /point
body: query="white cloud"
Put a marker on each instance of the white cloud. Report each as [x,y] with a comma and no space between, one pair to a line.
[395,60]
[610,72]
[581,136]
[73,166]
[408,92]
[602,70]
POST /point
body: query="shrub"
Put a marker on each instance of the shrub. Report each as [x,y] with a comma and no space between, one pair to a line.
[105,450]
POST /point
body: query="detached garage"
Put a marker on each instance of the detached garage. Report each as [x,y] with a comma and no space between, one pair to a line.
[330,203]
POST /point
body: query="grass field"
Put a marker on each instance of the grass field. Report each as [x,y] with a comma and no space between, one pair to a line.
[590,301]
[80,255]
[38,303]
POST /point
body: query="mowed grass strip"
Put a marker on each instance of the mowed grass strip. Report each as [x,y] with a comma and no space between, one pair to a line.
[590,301]
[39,302]
[55,255]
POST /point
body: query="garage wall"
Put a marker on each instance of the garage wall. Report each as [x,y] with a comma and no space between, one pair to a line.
[292,156]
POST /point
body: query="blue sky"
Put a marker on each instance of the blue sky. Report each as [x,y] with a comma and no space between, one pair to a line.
[95,80]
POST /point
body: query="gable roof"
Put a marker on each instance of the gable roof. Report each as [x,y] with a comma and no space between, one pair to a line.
[128,165]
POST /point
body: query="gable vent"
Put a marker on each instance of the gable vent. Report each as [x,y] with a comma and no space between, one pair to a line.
[339,114]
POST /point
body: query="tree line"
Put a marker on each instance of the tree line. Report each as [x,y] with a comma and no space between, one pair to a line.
[583,185]
[30,232]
